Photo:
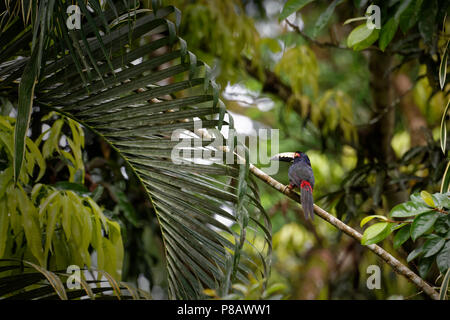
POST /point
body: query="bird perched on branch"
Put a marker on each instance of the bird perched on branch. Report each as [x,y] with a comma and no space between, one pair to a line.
[301,176]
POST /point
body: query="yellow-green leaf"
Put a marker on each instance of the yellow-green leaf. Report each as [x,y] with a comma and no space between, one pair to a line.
[367,219]
[443,133]
[4,226]
[362,37]
[373,231]
[52,216]
[31,225]
[427,198]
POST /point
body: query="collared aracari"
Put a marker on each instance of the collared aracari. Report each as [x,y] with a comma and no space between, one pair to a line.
[301,176]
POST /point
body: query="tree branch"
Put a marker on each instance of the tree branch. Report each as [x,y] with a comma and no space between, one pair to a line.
[315,42]
[384,255]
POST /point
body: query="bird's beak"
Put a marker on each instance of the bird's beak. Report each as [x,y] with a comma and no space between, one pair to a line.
[285,156]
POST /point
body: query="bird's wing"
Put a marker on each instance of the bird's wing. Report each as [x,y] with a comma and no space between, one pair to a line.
[300,172]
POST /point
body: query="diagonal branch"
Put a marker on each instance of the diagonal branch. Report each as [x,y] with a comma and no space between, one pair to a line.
[313,41]
[386,256]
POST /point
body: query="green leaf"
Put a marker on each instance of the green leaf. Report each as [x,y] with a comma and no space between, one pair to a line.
[445,185]
[367,219]
[31,225]
[52,217]
[426,197]
[410,15]
[387,33]
[409,209]
[422,223]
[427,25]
[97,193]
[425,266]
[414,254]
[432,246]
[66,185]
[127,208]
[25,104]
[444,285]
[375,233]
[4,226]
[66,217]
[443,131]
[362,37]
[36,153]
[442,225]
[442,200]
[402,8]
[402,236]
[325,17]
[443,66]
[443,258]
[292,6]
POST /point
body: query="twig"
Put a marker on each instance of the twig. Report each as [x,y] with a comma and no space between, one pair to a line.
[311,40]
[386,256]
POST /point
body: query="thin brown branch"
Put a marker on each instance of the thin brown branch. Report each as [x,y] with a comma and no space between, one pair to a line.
[384,255]
[315,42]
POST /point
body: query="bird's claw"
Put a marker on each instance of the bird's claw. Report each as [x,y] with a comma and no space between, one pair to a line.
[289,186]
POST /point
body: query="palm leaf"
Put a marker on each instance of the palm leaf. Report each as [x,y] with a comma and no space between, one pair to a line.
[23,280]
[138,96]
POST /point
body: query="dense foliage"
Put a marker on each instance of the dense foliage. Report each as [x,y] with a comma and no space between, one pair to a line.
[88,116]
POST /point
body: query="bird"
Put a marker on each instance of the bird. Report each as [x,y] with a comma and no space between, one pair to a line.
[300,176]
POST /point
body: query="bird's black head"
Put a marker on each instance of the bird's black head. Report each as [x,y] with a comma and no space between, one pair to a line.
[300,156]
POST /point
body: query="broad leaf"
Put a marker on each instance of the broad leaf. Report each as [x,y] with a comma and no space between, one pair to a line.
[410,15]
[427,198]
[387,33]
[362,37]
[402,236]
[443,258]
[292,6]
[414,254]
[409,209]
[425,265]
[325,17]
[376,233]
[427,19]
[433,245]
[367,219]
[423,223]
[442,225]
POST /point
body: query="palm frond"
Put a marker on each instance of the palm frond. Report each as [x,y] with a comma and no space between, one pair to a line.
[23,280]
[214,229]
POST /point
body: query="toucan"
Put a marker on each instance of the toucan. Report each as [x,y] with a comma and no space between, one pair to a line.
[301,176]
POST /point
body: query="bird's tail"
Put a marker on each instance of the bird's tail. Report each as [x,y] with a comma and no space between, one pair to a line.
[307,199]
